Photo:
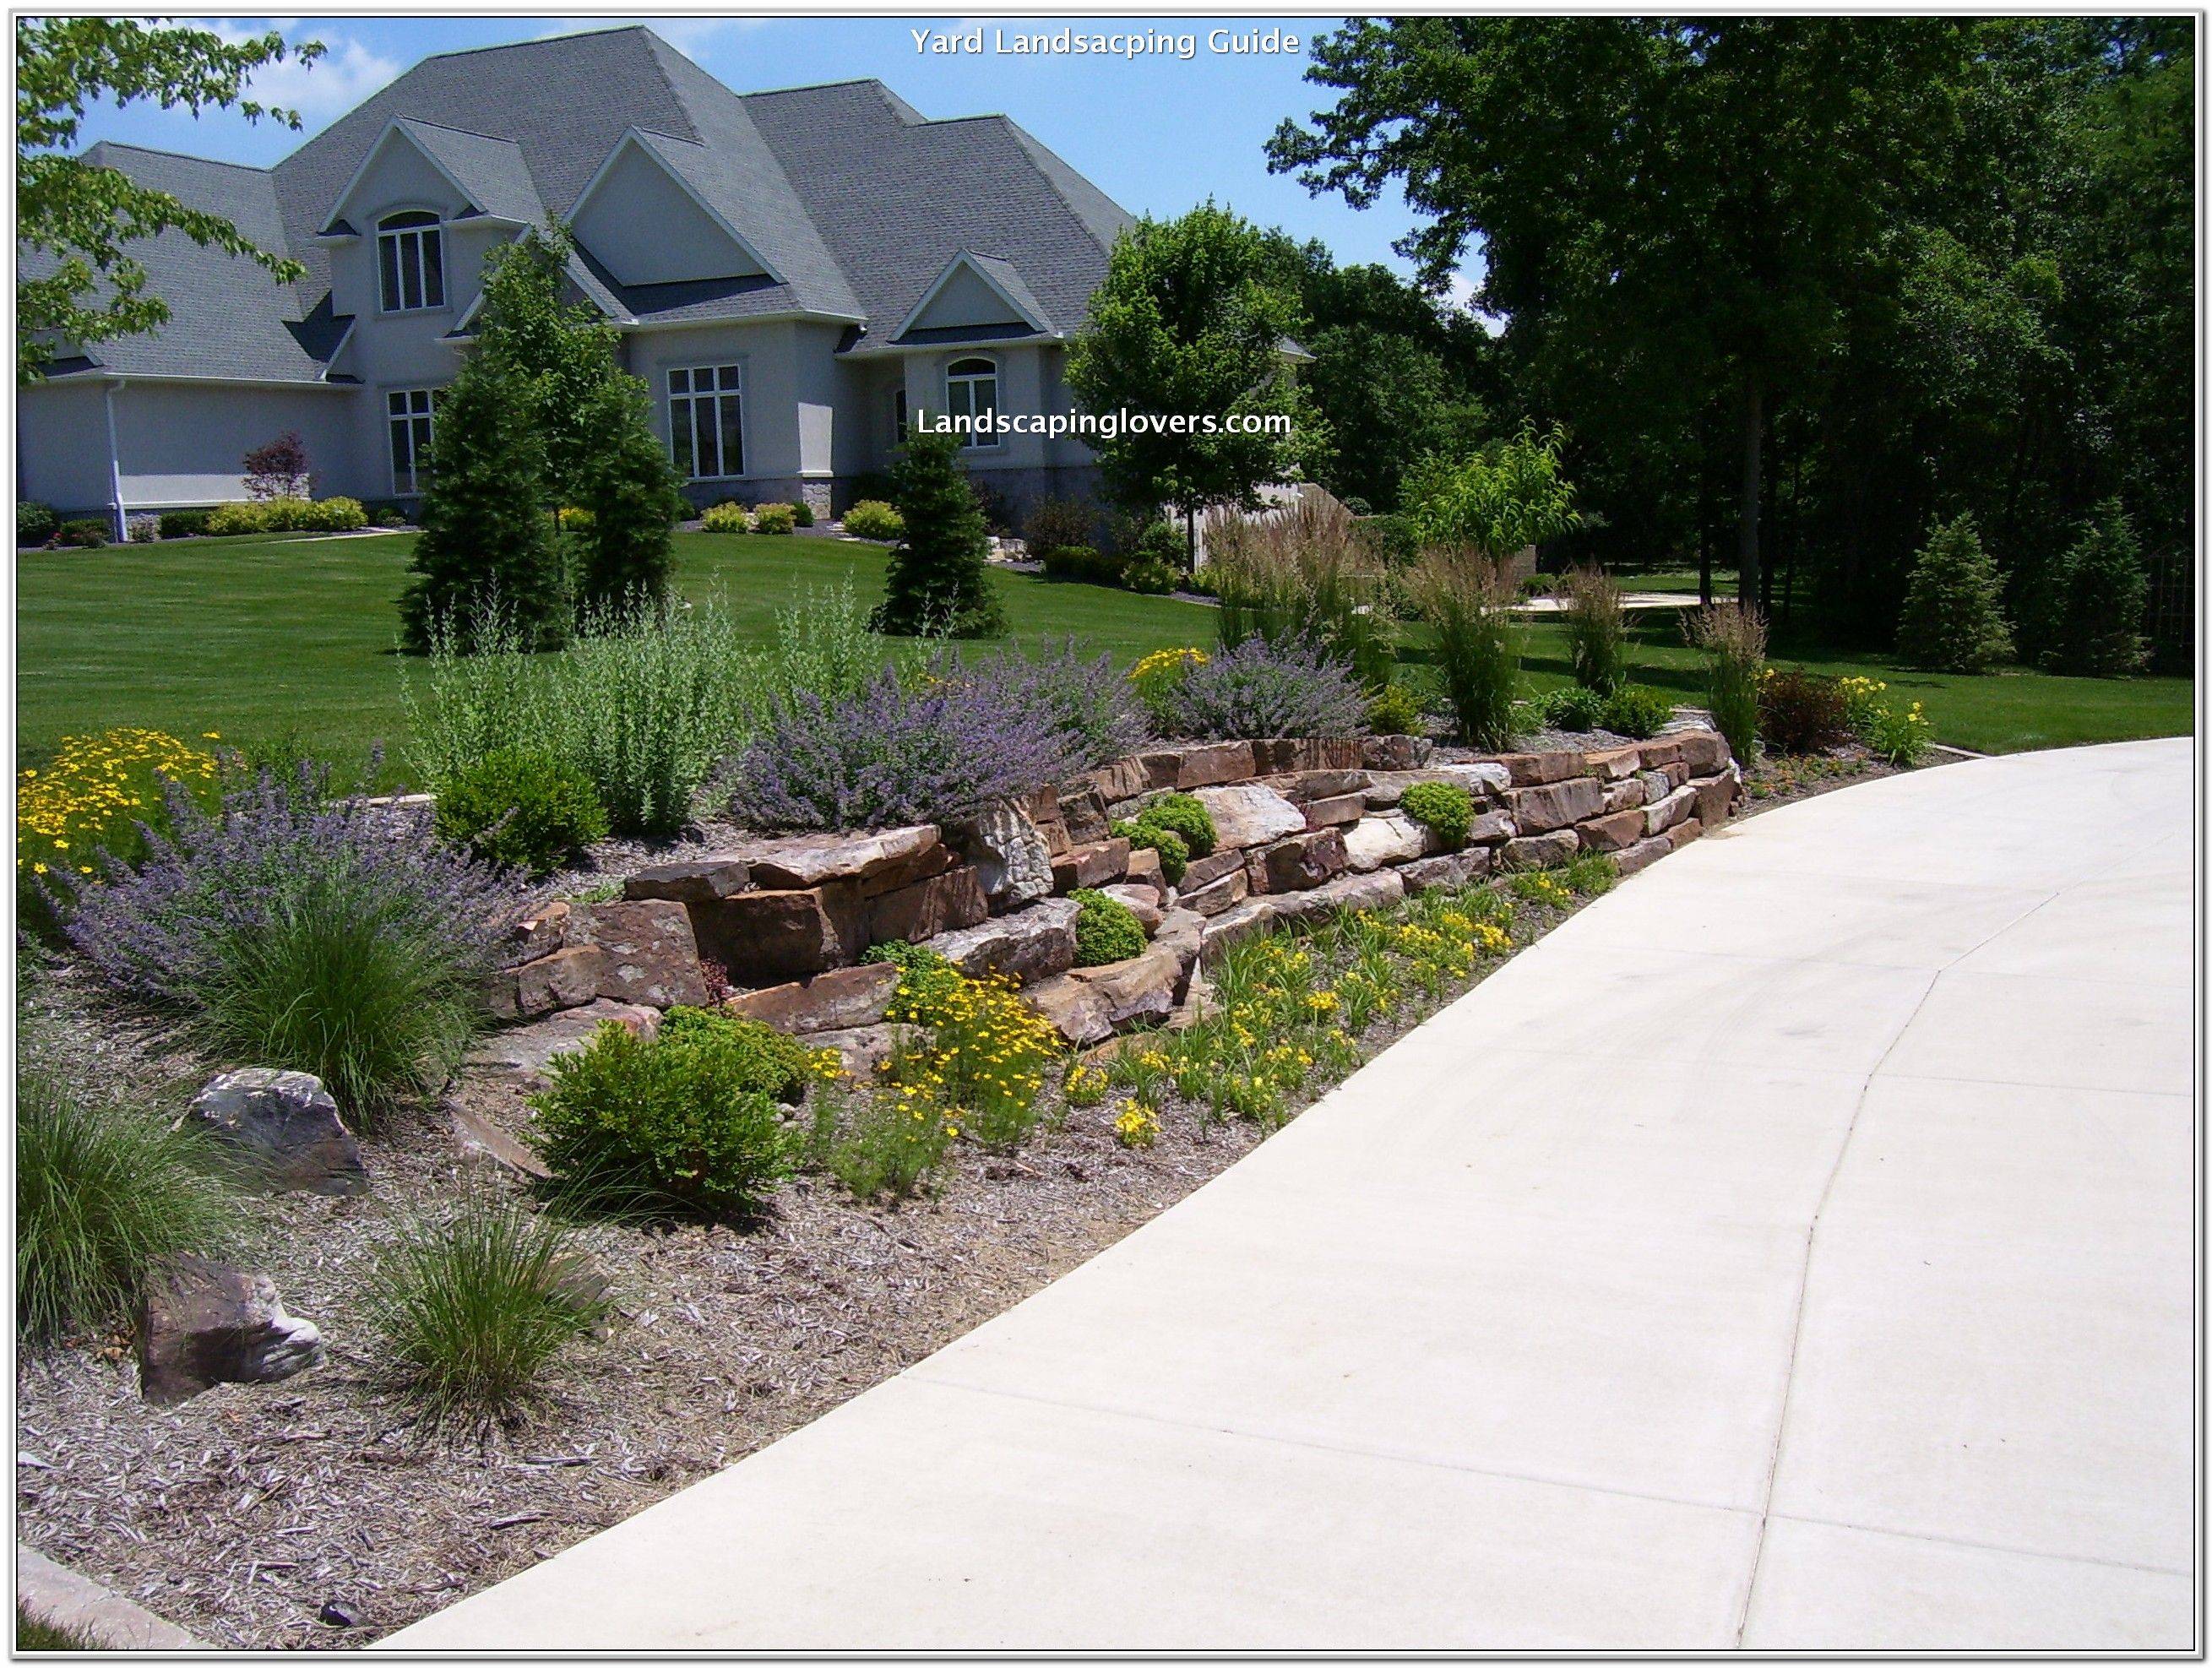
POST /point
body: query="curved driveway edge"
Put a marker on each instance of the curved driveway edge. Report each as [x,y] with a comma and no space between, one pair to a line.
[1829,1285]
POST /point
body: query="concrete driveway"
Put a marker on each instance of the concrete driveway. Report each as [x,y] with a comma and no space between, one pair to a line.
[1793,1251]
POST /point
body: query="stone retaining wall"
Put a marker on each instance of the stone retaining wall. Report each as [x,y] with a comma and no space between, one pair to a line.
[1305,827]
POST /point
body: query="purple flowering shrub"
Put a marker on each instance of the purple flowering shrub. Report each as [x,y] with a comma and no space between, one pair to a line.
[922,748]
[1259,689]
[1089,702]
[287,930]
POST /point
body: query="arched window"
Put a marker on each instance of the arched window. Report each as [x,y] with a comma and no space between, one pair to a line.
[410,261]
[971,391]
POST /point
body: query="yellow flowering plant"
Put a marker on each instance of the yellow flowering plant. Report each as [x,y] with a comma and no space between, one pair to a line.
[1138,1126]
[90,799]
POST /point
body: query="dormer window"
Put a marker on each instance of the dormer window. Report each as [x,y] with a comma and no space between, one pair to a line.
[411,259]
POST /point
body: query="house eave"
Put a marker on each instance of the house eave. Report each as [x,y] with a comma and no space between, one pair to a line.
[785,316]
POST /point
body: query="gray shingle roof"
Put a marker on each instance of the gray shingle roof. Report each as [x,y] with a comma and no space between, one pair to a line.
[227,316]
[854,200]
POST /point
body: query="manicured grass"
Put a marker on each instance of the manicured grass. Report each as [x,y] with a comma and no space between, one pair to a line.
[267,637]
[2005,711]
[261,638]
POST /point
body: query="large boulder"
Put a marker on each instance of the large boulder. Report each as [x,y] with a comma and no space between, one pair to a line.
[943,903]
[1614,833]
[1090,865]
[1556,805]
[1676,807]
[1074,1008]
[1382,842]
[837,1000]
[1527,770]
[648,954]
[1716,797]
[1201,764]
[528,1050]
[1540,850]
[1483,779]
[707,879]
[1298,864]
[884,857]
[203,1325]
[763,938]
[1002,843]
[1142,901]
[1249,815]
[1449,868]
[283,1128]
[1217,893]
[1031,944]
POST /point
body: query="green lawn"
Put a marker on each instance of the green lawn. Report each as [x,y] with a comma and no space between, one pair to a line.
[265,638]
[2004,712]
[262,638]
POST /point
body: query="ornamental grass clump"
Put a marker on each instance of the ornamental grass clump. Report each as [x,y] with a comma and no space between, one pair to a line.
[1596,627]
[105,1192]
[287,930]
[1468,603]
[468,1313]
[1301,572]
[1734,639]
[1259,688]
[908,749]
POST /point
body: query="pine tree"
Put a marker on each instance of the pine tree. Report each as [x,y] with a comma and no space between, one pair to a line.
[1952,621]
[486,542]
[630,487]
[940,582]
[2105,592]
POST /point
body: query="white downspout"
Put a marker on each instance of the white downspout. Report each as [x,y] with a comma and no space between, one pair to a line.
[115,465]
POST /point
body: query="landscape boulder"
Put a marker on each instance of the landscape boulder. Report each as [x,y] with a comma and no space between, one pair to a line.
[839,998]
[1075,1010]
[1556,805]
[763,937]
[283,1128]
[1203,764]
[1004,846]
[1676,807]
[648,954]
[1090,865]
[1298,864]
[943,903]
[1614,833]
[203,1324]
[886,856]
[1142,901]
[1030,945]
[528,1050]
[1376,842]
[1540,850]
[1249,815]
[1450,869]
[708,879]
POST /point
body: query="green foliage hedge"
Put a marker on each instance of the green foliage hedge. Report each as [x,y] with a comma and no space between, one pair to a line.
[1106,929]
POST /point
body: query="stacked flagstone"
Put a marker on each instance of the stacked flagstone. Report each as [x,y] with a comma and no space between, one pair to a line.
[1305,827]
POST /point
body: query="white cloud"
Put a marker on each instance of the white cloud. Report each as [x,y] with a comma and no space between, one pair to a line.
[1459,293]
[347,72]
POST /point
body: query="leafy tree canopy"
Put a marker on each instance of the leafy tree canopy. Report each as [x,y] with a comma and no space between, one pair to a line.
[75,220]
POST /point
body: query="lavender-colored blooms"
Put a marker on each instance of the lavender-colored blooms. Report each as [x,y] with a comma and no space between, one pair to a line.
[162,930]
[927,751]
[1089,702]
[1261,689]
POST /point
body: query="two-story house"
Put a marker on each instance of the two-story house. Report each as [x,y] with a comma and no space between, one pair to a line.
[792,274]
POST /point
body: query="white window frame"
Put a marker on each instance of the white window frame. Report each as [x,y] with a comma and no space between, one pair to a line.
[726,384]
[969,383]
[402,413]
[409,244]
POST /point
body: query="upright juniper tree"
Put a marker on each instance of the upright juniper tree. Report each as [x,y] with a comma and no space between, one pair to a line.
[1953,621]
[487,542]
[625,481]
[940,582]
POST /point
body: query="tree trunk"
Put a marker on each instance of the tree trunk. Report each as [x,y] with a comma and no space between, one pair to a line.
[1754,435]
[1705,519]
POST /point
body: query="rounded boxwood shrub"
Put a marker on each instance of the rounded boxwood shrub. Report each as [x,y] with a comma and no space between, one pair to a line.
[1083,565]
[523,807]
[183,524]
[1105,931]
[873,519]
[1151,579]
[726,517]
[685,1123]
[1444,809]
[86,535]
[1396,712]
[1175,852]
[803,513]
[774,518]
[1574,708]
[1637,713]
[1186,816]
[35,524]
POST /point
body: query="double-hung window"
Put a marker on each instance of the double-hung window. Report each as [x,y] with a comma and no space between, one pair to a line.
[706,421]
[971,391]
[408,414]
[410,262]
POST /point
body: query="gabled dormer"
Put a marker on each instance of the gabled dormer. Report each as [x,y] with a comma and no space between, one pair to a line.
[657,213]
[975,295]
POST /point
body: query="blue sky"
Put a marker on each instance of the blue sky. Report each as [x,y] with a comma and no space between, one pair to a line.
[1158,133]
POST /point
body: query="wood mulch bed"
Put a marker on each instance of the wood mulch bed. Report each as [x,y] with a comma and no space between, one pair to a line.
[314,1513]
